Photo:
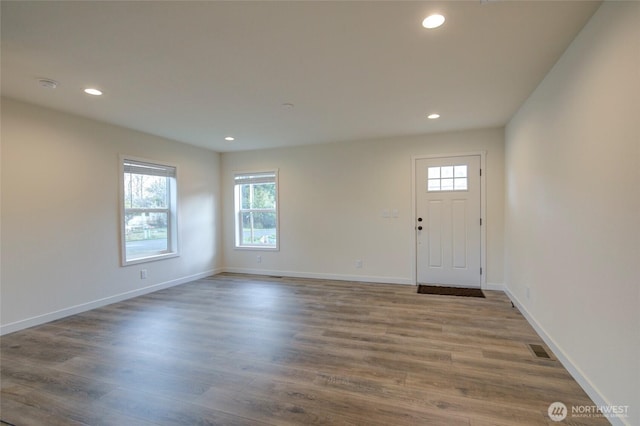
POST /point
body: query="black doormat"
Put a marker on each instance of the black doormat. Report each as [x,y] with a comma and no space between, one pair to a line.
[450,291]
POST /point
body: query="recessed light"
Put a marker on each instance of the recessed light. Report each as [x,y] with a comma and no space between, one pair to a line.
[92,91]
[433,116]
[433,21]
[229,138]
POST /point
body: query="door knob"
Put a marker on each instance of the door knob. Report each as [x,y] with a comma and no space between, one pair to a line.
[419,219]
[419,228]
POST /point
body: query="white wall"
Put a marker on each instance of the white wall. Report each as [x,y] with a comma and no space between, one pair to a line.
[331,202]
[573,206]
[60,214]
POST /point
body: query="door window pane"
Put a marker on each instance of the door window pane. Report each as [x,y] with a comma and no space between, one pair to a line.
[447,178]
[447,184]
[460,171]
[434,173]
[433,185]
[460,184]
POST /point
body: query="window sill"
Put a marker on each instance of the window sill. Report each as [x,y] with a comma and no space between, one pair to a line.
[258,248]
[150,259]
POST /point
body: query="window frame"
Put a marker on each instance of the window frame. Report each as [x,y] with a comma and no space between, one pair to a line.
[171,211]
[238,210]
[453,178]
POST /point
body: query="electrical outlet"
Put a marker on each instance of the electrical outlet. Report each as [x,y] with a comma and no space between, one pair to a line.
[143,274]
[359,264]
[259,259]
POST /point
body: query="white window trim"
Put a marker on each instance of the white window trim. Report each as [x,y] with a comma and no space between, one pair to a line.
[236,212]
[172,219]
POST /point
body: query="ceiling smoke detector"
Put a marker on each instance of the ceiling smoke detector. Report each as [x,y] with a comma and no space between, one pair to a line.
[48,83]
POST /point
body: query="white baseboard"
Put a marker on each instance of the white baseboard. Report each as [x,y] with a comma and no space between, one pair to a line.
[493,286]
[322,276]
[566,361]
[52,316]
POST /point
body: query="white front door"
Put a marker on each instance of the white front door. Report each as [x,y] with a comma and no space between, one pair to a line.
[448,221]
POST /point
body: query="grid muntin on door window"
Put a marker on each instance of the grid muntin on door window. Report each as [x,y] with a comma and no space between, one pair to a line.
[447,178]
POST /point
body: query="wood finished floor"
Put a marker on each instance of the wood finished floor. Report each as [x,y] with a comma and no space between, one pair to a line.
[246,350]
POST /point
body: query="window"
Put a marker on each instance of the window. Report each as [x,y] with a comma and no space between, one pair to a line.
[256,199]
[447,178]
[149,220]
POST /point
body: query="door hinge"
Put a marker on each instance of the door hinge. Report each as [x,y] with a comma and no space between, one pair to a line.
[480,221]
[480,271]
[480,172]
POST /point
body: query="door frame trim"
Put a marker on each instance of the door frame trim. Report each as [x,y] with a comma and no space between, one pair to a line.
[483,211]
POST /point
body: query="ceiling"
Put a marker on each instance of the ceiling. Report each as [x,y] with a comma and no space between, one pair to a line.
[197,72]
